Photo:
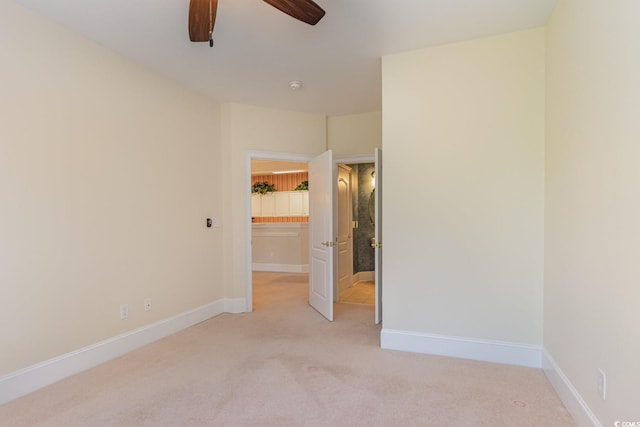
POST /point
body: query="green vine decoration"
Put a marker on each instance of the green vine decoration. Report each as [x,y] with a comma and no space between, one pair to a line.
[263,187]
[304,185]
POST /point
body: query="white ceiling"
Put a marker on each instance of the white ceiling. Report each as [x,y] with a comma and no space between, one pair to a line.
[267,167]
[258,49]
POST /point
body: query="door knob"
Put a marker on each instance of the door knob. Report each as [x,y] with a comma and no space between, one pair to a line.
[327,244]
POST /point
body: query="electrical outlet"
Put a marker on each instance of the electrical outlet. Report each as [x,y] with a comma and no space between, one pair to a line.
[124,311]
[147,304]
[602,384]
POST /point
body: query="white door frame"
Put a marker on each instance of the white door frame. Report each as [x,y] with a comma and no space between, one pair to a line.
[259,155]
[378,235]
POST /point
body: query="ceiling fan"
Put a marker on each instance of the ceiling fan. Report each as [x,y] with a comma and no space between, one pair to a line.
[202,15]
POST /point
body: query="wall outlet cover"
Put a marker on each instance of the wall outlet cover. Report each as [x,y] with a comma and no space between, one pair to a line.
[602,384]
[124,311]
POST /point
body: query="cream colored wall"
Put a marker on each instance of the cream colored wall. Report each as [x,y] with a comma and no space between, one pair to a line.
[247,128]
[592,272]
[463,143]
[354,134]
[107,173]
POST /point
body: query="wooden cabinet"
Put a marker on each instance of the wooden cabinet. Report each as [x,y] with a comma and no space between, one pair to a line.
[280,203]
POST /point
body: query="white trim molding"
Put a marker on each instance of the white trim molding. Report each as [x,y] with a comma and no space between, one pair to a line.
[235,305]
[280,268]
[464,348]
[575,404]
[355,158]
[364,276]
[276,234]
[32,378]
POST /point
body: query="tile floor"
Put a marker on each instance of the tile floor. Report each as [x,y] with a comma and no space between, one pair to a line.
[359,293]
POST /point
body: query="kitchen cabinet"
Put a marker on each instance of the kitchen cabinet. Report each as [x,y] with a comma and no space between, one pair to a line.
[280,203]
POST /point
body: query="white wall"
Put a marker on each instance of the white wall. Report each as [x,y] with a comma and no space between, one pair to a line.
[245,129]
[354,134]
[107,173]
[592,215]
[280,247]
[463,143]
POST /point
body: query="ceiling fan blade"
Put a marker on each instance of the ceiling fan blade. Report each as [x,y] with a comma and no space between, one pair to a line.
[202,18]
[303,10]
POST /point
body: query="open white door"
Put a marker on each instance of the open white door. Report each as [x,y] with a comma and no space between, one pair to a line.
[321,242]
[378,235]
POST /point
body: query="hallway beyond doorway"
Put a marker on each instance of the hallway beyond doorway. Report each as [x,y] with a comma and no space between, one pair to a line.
[359,293]
[275,291]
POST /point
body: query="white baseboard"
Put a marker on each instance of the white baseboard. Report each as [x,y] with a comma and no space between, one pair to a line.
[364,276]
[280,268]
[463,348]
[235,305]
[32,378]
[575,404]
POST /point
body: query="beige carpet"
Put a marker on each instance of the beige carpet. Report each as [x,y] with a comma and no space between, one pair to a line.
[359,293]
[284,365]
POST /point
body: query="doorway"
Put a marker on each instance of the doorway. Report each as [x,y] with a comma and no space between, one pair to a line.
[361,285]
[354,162]
[270,162]
[345,229]
[279,221]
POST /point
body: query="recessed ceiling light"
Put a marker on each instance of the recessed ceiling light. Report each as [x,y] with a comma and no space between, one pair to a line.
[295,84]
